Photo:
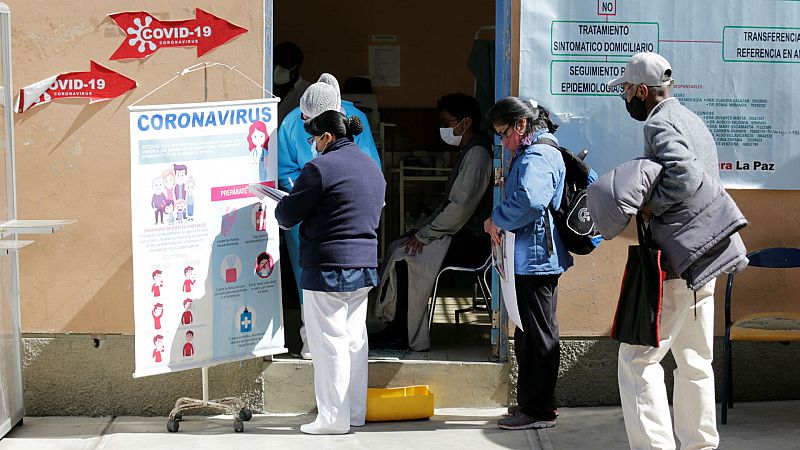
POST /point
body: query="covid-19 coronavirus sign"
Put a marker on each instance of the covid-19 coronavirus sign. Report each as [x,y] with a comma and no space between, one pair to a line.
[145,34]
[97,84]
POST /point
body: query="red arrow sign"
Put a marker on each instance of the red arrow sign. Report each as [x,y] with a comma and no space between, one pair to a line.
[145,34]
[98,84]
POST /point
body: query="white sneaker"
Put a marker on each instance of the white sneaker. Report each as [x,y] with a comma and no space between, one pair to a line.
[305,353]
[315,428]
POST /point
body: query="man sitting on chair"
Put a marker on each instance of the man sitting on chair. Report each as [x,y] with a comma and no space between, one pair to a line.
[456,224]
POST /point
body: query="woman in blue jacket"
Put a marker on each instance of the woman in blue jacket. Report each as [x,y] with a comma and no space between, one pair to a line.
[534,185]
[338,197]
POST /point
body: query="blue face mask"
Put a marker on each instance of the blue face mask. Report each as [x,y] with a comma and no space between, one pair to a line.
[314,149]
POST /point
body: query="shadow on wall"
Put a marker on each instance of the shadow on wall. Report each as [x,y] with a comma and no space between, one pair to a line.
[92,374]
[588,373]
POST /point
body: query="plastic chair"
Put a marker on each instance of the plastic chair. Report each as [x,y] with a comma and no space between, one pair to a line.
[480,282]
[765,326]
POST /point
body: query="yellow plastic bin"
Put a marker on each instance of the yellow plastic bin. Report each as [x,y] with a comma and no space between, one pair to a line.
[403,403]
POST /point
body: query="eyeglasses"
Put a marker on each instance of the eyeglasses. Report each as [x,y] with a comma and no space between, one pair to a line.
[624,93]
[504,133]
[310,140]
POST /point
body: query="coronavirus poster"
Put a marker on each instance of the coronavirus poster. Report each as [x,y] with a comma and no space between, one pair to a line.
[734,65]
[205,250]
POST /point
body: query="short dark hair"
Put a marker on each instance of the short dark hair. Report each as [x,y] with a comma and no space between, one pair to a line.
[287,54]
[461,106]
[335,123]
[510,109]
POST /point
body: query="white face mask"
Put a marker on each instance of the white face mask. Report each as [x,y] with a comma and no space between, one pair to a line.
[281,75]
[448,136]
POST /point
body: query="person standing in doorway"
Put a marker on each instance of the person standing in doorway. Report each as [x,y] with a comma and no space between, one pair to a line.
[338,197]
[287,82]
[295,151]
[534,187]
[681,142]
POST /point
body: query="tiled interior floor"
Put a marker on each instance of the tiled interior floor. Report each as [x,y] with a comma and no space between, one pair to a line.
[467,342]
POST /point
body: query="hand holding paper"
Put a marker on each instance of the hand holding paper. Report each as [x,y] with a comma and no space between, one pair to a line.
[262,192]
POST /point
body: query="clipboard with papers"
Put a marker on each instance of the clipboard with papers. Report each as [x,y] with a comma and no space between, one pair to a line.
[262,192]
[503,260]
[499,258]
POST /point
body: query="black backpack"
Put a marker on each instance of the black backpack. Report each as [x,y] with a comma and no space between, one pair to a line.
[572,219]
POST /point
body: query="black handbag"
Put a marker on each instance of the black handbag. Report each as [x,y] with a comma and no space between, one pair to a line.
[638,313]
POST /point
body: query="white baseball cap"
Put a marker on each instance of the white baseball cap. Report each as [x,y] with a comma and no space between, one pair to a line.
[647,68]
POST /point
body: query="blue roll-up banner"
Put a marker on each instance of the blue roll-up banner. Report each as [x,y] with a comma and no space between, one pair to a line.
[206,272]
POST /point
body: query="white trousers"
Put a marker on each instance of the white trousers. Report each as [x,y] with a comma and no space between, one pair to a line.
[337,337]
[641,377]
[303,336]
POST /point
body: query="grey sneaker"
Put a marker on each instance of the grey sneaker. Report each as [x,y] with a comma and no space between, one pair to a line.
[520,421]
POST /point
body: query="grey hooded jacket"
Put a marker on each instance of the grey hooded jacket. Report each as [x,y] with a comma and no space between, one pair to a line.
[698,235]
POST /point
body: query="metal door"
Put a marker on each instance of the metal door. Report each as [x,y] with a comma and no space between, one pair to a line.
[11,407]
[502,88]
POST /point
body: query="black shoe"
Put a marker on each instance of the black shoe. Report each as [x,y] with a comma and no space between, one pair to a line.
[521,421]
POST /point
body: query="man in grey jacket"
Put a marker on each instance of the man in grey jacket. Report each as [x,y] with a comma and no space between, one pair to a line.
[681,142]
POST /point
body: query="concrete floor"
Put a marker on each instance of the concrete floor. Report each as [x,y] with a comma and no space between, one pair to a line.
[450,428]
[751,426]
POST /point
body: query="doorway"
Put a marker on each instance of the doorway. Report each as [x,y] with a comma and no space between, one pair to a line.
[413,53]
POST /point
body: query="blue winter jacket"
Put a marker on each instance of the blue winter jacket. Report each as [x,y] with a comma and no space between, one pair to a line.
[294,151]
[535,181]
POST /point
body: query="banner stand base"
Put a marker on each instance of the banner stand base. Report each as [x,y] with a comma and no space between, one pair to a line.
[229,405]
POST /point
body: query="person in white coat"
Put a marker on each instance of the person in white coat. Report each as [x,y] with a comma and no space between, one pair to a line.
[294,151]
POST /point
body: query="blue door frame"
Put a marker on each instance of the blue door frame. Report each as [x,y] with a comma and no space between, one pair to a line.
[268,21]
[502,88]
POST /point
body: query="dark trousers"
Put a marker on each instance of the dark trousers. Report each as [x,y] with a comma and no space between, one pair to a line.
[537,348]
